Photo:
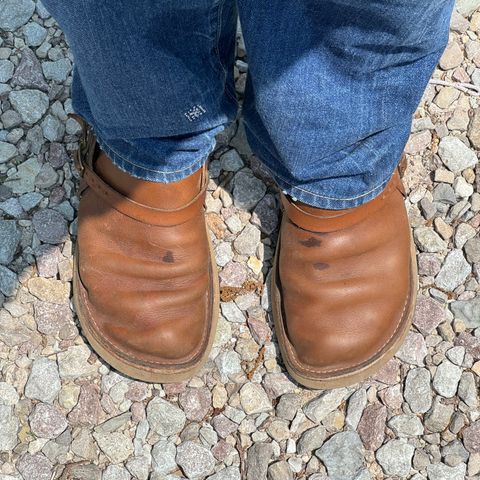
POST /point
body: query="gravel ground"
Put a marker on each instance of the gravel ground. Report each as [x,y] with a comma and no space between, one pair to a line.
[65,414]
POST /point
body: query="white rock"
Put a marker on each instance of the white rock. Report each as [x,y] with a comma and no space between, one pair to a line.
[228,364]
[7,151]
[115,445]
[164,418]
[454,271]
[163,454]
[446,378]
[248,240]
[462,188]
[429,241]
[15,13]
[466,8]
[254,399]
[395,457]
[8,428]
[44,381]
[456,155]
[196,461]
[8,394]
[440,471]
[232,313]
[223,253]
[406,425]
[73,362]
[464,233]
[318,408]
[30,104]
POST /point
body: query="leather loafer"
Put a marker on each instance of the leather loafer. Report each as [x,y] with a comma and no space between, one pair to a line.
[344,287]
[145,279]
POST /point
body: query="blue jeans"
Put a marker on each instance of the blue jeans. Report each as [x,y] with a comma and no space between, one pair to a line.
[330,93]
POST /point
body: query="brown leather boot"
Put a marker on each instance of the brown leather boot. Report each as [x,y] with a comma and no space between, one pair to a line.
[344,285]
[145,281]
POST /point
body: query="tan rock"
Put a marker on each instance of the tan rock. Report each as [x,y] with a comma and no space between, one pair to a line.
[49,290]
[452,57]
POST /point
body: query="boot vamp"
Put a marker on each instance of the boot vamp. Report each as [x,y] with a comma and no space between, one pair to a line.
[344,292]
[146,287]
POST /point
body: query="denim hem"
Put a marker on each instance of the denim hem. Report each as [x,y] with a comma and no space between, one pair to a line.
[310,198]
[143,173]
[299,193]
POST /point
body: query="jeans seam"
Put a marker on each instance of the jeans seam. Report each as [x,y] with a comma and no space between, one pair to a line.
[216,26]
[218,33]
[427,25]
[316,195]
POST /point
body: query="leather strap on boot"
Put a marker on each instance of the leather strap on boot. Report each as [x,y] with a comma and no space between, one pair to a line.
[154,216]
[323,220]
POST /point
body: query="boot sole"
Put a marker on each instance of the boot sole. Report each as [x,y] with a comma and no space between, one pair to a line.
[368,368]
[168,373]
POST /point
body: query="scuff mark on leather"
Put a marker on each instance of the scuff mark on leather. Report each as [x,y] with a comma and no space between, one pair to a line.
[311,242]
[168,257]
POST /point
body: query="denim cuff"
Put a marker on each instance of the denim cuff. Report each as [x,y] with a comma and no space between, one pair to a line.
[144,173]
[329,203]
[166,170]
